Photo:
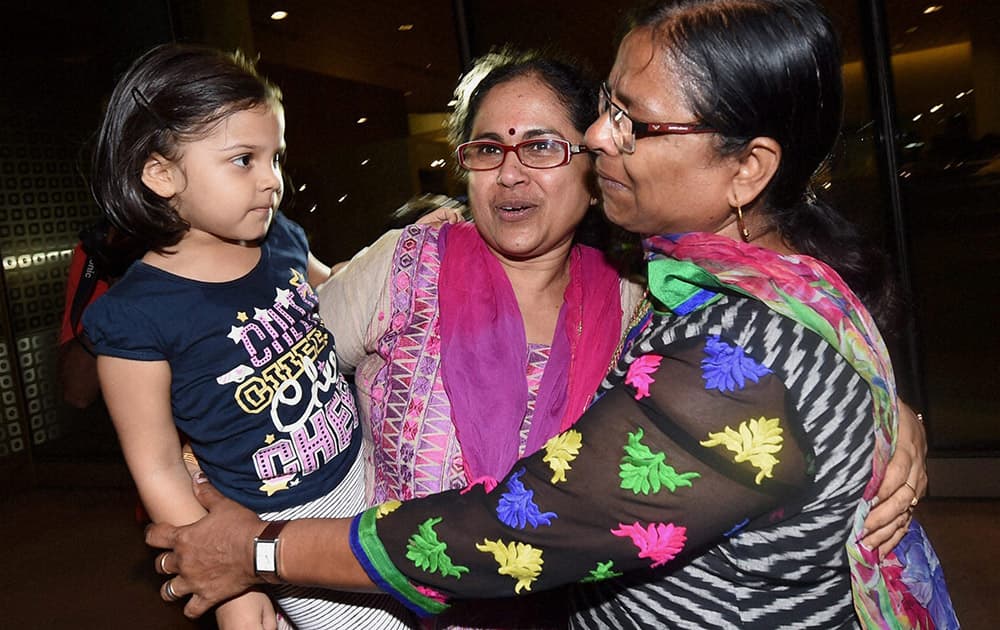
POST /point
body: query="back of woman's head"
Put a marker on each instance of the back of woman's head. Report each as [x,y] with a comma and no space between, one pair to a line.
[772,68]
[572,86]
[170,95]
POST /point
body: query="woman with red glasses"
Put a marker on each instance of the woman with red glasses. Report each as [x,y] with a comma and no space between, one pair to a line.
[474,343]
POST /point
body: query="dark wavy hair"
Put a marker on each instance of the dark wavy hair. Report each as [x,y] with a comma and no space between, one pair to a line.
[772,68]
[575,88]
[171,94]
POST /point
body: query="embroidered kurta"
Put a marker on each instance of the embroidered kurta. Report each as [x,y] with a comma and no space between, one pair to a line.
[383,311]
[714,484]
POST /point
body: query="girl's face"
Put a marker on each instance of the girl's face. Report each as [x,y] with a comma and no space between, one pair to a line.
[672,183]
[524,213]
[229,182]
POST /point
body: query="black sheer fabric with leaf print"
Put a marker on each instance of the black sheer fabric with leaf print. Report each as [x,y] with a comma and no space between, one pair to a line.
[704,438]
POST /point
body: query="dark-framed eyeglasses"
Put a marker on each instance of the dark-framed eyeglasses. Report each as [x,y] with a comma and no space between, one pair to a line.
[486,155]
[625,130]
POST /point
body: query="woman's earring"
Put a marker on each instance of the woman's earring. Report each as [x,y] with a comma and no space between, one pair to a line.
[744,232]
[593,201]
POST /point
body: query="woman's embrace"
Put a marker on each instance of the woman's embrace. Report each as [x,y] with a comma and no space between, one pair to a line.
[723,476]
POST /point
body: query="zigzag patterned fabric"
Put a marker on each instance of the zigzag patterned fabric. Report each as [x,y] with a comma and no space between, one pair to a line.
[418,453]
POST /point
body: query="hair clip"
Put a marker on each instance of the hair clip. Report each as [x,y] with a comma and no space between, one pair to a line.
[141,100]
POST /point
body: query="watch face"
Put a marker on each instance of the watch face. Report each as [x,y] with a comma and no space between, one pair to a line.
[264,556]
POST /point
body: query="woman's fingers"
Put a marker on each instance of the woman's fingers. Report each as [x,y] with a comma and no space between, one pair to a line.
[912,438]
[901,526]
[169,590]
[904,483]
[887,522]
[175,589]
[161,564]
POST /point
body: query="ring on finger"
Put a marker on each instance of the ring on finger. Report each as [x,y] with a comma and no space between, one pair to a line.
[168,590]
[163,563]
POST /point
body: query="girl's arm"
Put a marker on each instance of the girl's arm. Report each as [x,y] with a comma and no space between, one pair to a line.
[137,394]
[252,610]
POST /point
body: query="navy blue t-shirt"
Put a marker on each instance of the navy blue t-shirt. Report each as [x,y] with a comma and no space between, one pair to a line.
[255,383]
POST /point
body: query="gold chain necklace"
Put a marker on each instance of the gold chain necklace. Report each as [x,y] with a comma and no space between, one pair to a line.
[641,307]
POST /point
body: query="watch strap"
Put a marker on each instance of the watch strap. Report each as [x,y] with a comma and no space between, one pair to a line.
[268,537]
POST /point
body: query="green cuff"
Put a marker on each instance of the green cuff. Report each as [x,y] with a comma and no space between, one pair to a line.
[381,570]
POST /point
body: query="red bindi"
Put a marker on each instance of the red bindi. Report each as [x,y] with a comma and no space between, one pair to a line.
[512,131]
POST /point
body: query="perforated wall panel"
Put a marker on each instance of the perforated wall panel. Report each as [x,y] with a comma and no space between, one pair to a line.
[44,202]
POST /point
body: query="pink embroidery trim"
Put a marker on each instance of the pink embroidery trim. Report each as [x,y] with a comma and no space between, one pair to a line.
[660,542]
[639,374]
[429,592]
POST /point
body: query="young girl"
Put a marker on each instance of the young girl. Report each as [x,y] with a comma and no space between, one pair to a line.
[215,331]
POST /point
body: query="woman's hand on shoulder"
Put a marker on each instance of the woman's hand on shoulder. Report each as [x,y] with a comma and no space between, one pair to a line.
[442,215]
[317,271]
[904,483]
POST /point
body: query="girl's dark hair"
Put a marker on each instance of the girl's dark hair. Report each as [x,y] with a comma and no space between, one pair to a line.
[772,68]
[172,94]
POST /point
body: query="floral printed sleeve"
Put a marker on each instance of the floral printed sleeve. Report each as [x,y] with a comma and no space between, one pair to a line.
[698,443]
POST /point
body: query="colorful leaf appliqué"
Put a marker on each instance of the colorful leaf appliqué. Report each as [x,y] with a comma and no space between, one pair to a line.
[727,367]
[755,442]
[518,560]
[387,508]
[560,450]
[660,542]
[516,508]
[428,553]
[639,374]
[604,571]
[641,470]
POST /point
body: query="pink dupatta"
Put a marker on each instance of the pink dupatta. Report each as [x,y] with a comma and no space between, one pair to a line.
[484,350]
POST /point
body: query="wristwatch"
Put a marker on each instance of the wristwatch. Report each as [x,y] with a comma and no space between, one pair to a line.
[265,552]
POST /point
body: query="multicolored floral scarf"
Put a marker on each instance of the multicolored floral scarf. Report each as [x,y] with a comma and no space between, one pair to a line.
[484,350]
[906,589]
